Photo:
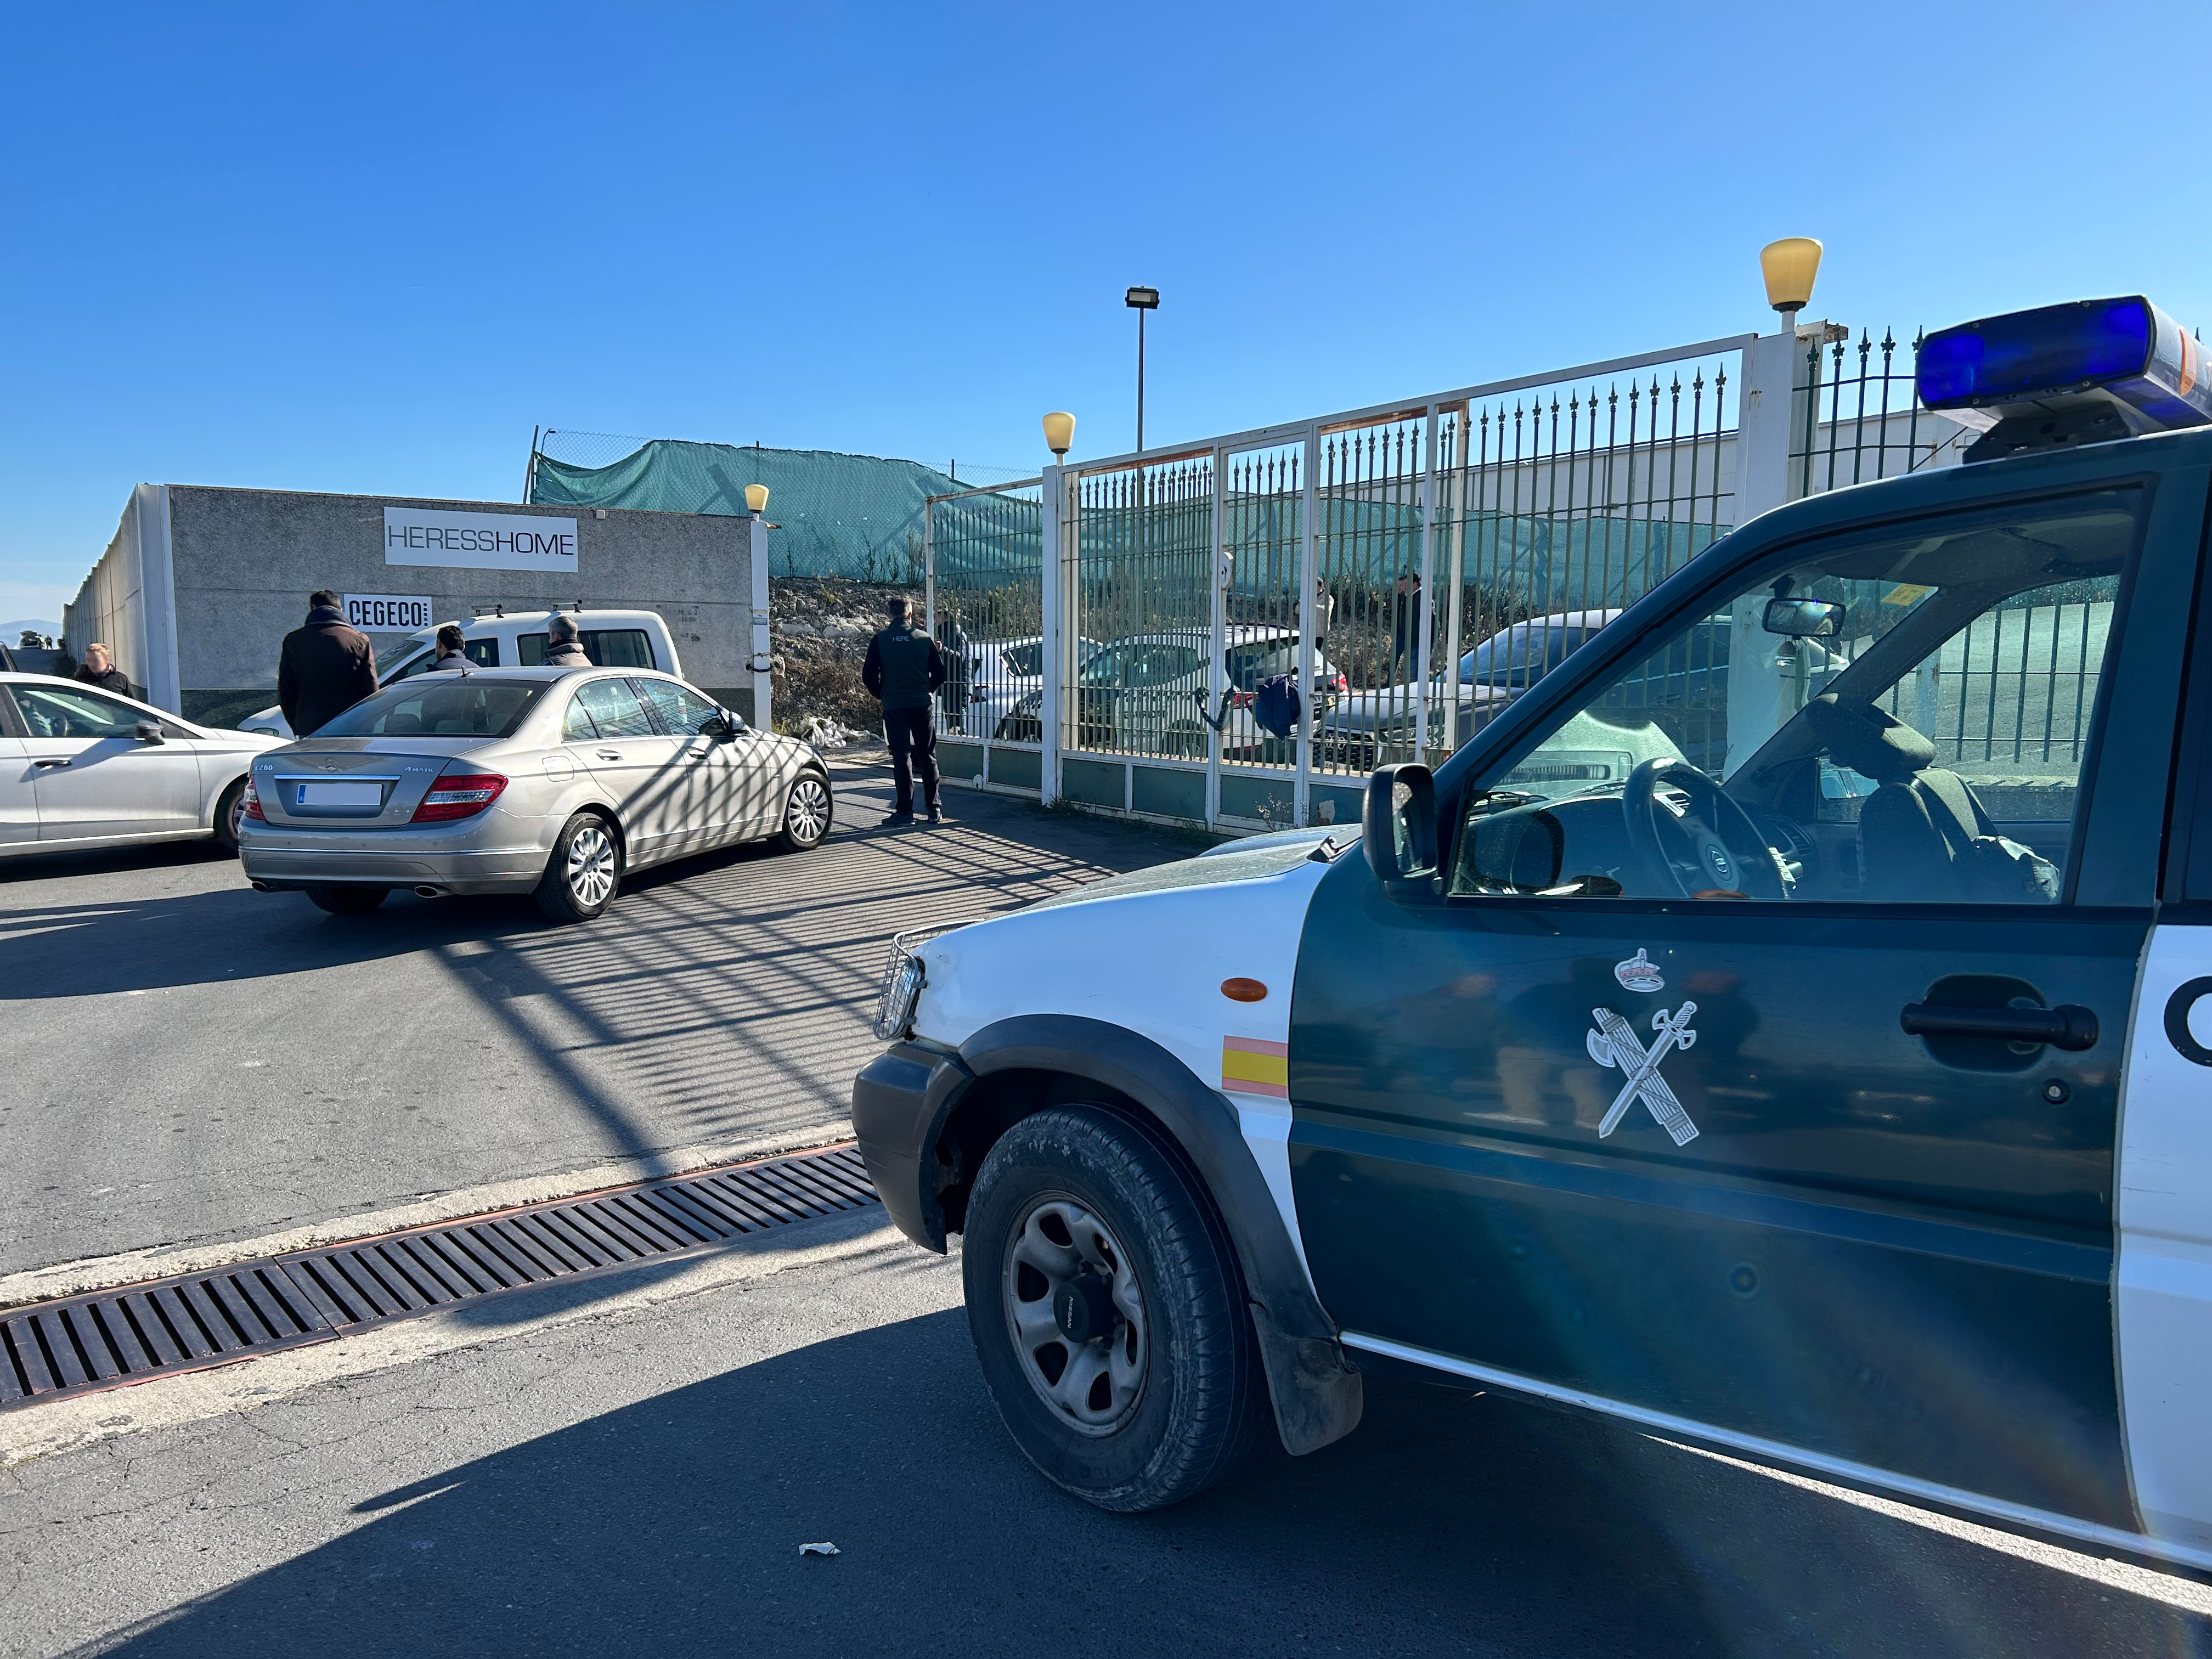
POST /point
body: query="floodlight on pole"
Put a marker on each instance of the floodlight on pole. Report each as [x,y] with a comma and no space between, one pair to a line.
[756,499]
[1790,266]
[1140,301]
[1059,432]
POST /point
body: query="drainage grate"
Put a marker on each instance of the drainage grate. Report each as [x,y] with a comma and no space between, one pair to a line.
[110,1338]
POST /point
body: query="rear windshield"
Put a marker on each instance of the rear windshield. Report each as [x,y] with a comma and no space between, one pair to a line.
[607,648]
[438,705]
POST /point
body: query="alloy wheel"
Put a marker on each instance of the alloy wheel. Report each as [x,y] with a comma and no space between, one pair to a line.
[591,866]
[807,817]
[1077,1317]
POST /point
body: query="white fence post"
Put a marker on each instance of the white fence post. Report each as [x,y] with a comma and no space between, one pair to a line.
[757,559]
[1054,592]
[1762,483]
[1309,574]
[1217,672]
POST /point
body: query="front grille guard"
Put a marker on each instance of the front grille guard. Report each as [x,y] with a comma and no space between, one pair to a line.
[904,977]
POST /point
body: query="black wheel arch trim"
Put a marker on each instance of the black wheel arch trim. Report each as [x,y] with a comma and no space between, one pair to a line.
[902,1102]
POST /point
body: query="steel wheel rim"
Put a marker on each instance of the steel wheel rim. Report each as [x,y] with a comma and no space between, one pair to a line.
[591,865]
[1092,1387]
[808,816]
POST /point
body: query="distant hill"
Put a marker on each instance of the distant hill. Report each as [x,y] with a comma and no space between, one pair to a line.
[13,631]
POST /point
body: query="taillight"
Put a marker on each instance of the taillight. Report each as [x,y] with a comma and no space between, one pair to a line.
[1341,684]
[458,795]
[1241,699]
[252,807]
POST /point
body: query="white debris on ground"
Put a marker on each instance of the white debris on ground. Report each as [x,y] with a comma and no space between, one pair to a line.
[821,733]
[825,1548]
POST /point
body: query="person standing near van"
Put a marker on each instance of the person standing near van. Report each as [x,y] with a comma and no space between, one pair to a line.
[903,669]
[325,668]
[562,648]
[452,658]
[100,669]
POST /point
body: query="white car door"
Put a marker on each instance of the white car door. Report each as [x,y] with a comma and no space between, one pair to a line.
[704,804]
[95,779]
[634,763]
[19,801]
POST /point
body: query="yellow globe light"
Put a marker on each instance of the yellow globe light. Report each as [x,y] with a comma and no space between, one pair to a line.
[1059,431]
[1790,266]
[755,498]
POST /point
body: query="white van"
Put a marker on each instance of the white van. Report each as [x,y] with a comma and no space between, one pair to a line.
[611,639]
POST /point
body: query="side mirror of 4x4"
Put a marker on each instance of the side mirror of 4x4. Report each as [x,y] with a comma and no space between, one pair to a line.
[1399,831]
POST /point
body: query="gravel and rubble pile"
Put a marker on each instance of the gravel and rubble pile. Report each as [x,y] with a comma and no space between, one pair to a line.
[819,631]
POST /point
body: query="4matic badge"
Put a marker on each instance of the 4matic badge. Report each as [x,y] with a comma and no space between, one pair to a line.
[1615,1042]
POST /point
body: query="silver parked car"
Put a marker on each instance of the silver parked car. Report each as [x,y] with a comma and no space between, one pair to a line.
[542,780]
[83,768]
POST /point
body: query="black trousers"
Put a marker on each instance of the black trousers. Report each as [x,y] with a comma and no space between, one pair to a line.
[913,739]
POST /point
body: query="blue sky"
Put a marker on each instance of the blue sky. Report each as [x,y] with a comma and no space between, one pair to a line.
[366,248]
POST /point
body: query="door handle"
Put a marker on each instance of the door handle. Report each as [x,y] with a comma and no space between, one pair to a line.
[43,764]
[609,754]
[2067,1026]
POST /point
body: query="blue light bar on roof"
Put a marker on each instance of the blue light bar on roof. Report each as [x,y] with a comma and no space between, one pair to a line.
[2125,353]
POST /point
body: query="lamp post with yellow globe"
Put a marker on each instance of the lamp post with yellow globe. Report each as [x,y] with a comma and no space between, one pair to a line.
[1790,266]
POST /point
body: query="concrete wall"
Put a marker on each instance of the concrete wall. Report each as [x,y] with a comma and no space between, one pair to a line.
[125,603]
[246,560]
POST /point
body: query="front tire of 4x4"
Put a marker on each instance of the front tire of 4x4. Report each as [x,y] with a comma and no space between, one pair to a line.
[1108,1312]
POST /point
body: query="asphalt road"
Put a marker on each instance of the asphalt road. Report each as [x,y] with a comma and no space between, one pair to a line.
[183,1060]
[634,1474]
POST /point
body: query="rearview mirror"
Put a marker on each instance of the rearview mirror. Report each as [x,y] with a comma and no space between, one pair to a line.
[1805,619]
[150,731]
[1399,831]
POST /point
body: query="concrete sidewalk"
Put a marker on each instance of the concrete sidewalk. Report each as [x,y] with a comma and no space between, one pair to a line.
[185,1061]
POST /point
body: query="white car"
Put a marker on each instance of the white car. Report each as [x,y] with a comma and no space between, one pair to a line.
[1147,693]
[82,768]
[611,639]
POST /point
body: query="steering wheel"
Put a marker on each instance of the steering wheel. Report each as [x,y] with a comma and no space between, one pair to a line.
[1696,854]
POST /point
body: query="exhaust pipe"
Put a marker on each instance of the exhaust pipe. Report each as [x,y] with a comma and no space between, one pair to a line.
[263,887]
[429,892]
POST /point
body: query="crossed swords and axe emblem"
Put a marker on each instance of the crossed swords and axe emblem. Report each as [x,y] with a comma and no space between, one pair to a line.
[1615,1043]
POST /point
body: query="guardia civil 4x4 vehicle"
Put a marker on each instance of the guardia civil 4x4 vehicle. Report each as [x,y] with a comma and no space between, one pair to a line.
[1809,1064]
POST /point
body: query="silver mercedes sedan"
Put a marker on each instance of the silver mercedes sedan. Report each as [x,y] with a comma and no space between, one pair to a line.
[542,780]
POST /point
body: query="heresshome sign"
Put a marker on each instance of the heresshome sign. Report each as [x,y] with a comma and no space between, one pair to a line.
[478,541]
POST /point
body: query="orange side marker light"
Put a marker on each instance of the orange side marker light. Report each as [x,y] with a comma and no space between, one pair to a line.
[1243,990]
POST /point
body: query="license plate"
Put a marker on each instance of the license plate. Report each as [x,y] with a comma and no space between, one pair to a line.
[340,795]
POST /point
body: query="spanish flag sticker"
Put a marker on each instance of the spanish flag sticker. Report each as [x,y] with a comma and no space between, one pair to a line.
[1251,1066]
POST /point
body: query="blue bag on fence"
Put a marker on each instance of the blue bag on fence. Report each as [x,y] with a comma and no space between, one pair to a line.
[1275,704]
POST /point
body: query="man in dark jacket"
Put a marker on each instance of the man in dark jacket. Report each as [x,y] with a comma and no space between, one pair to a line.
[562,648]
[325,668]
[904,668]
[452,656]
[99,669]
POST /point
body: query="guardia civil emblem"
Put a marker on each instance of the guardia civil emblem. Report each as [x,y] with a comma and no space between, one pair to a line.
[1615,1043]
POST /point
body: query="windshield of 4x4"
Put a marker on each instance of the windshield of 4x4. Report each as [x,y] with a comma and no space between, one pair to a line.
[438,705]
[1900,716]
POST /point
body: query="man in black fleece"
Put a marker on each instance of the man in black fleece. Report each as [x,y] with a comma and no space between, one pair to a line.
[904,668]
[325,668]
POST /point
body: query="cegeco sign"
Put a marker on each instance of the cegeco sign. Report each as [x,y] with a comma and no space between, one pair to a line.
[478,541]
[390,613]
